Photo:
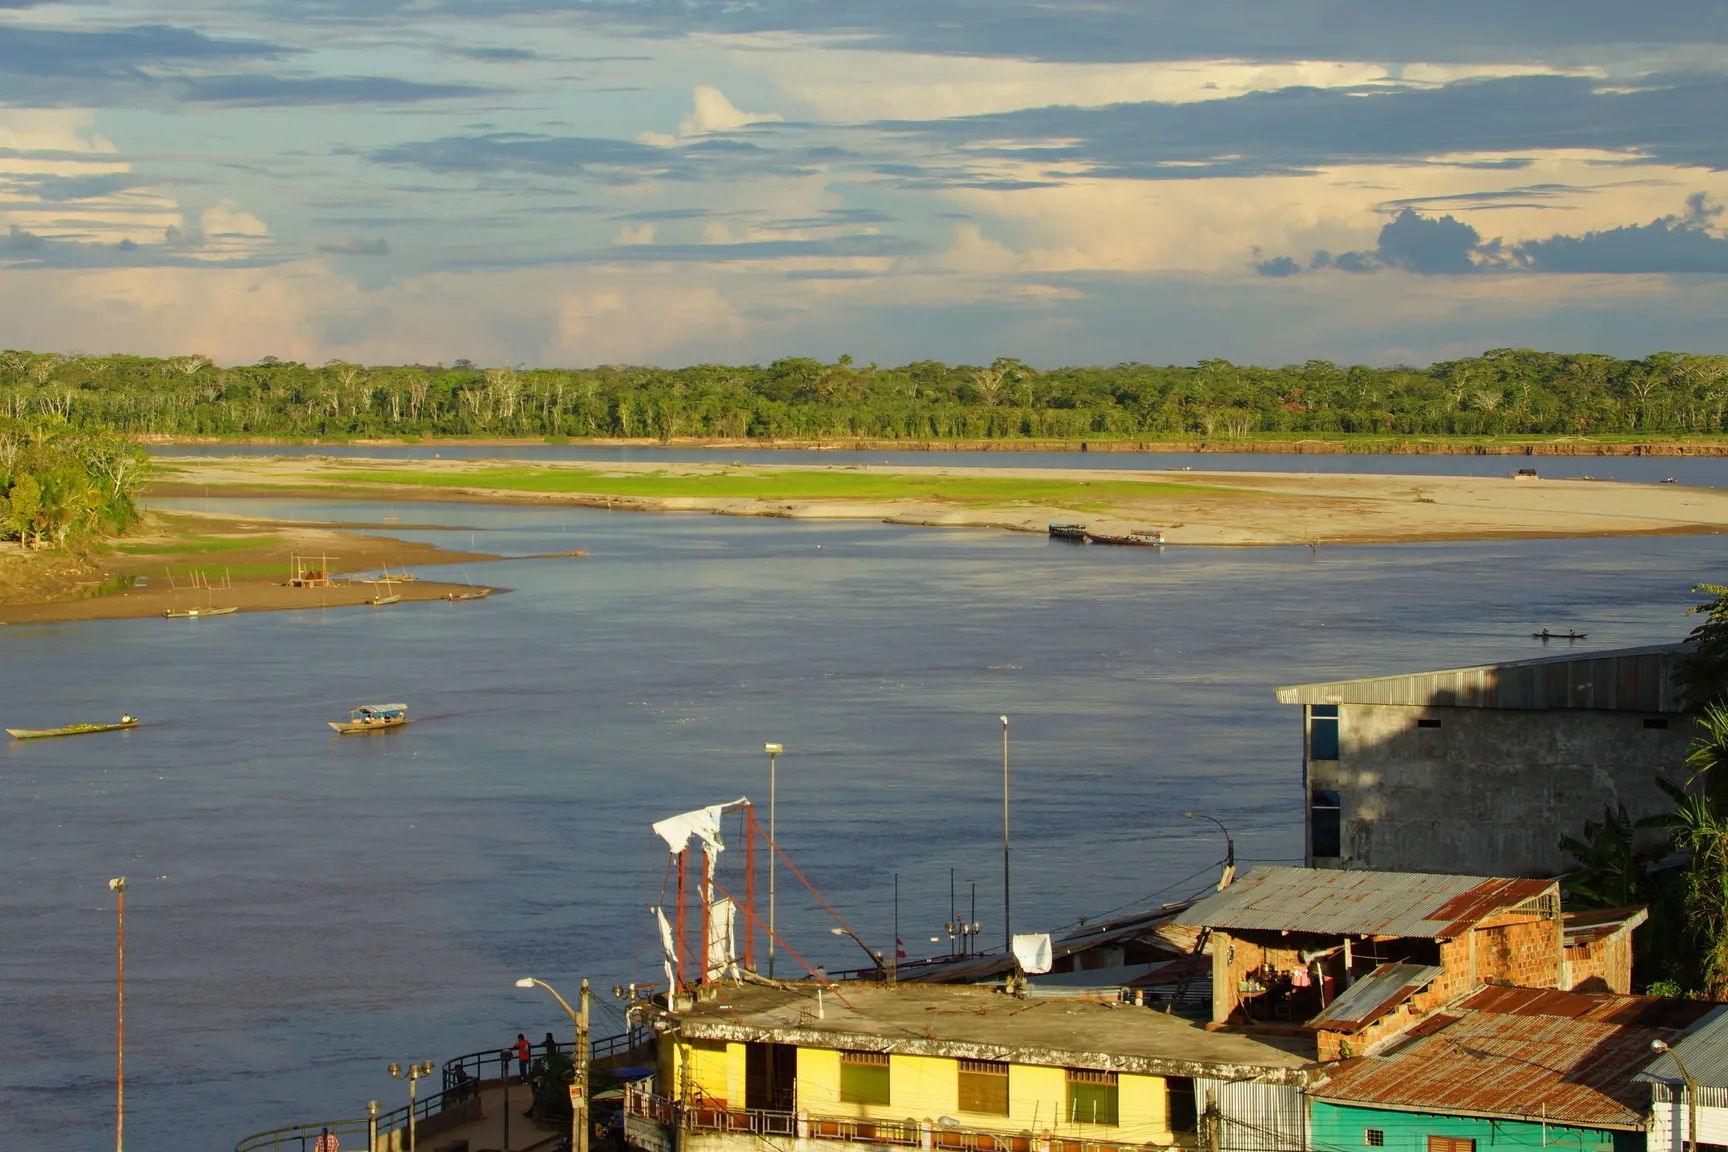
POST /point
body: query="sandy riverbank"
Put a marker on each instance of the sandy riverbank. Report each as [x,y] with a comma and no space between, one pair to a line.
[185,560]
[1190,507]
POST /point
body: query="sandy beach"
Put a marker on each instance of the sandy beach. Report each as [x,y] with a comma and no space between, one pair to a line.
[1189,507]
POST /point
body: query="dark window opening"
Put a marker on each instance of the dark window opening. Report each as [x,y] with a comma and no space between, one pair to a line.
[1323,732]
[1654,723]
[984,1087]
[1374,1137]
[770,1077]
[1325,824]
[1427,722]
[1179,1100]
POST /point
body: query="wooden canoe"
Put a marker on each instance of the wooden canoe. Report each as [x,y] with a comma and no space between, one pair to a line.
[395,598]
[70,729]
[195,613]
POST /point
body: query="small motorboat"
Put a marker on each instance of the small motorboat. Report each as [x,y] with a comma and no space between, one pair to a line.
[373,718]
[1141,539]
[195,613]
[1075,532]
[1547,635]
[1671,480]
[71,729]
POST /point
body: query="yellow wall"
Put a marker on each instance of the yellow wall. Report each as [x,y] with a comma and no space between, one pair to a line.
[927,1087]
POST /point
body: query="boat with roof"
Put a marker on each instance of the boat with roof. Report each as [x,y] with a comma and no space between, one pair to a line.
[372,718]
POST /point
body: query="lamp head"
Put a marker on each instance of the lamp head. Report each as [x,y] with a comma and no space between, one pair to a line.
[1004,720]
[118,884]
[395,1071]
[427,1068]
[1187,815]
[1659,1046]
[525,982]
[772,749]
[837,931]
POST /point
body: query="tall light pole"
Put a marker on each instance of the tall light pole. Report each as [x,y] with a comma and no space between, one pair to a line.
[1229,848]
[579,1089]
[773,751]
[412,1075]
[1007,928]
[118,887]
[1691,1144]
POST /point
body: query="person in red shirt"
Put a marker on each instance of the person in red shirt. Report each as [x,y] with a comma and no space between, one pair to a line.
[523,1048]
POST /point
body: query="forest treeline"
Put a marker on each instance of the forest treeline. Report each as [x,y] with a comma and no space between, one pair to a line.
[1502,392]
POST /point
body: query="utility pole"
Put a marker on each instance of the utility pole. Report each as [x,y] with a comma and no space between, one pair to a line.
[579,1106]
[894,956]
[773,751]
[1007,929]
[118,887]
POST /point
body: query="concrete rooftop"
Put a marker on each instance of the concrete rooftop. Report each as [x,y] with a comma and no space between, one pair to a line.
[981,1023]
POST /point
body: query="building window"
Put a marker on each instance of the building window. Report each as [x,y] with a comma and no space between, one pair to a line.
[1374,1137]
[1179,1103]
[1091,1097]
[1653,722]
[1428,722]
[1323,732]
[1450,1144]
[1325,824]
[984,1087]
[864,1077]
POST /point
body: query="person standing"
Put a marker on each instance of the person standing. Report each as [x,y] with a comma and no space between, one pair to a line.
[523,1051]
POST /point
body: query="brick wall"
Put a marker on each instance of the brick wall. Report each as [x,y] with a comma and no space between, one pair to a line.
[1603,965]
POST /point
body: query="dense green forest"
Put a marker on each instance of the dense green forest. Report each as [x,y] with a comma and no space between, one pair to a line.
[61,486]
[1502,392]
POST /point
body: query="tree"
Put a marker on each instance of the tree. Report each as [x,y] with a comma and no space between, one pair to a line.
[1607,874]
[1696,826]
[1702,673]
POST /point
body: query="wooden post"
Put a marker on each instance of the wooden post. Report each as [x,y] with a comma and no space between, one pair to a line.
[683,856]
[749,886]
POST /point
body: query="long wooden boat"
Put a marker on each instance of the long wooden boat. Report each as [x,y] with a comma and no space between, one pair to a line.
[1547,635]
[393,598]
[71,729]
[1140,539]
[195,613]
[1075,532]
[476,594]
[372,718]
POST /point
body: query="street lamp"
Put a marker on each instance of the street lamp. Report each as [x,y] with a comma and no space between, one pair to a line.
[412,1075]
[1229,848]
[578,1089]
[773,751]
[1691,1144]
[875,957]
[118,887]
[1007,931]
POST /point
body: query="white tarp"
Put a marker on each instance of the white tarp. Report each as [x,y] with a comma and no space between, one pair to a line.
[703,823]
[722,948]
[669,946]
[1033,952]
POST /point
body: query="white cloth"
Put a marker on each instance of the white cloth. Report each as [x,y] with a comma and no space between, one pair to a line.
[703,823]
[669,946]
[1033,953]
[722,950]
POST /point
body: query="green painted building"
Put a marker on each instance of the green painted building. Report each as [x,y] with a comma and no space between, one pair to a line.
[1335,1127]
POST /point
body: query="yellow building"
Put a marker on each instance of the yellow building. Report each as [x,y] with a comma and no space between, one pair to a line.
[748,1068]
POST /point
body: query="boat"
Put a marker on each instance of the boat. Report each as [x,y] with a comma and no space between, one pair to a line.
[71,729]
[1143,539]
[1671,480]
[476,594]
[373,718]
[194,613]
[393,598]
[1075,532]
[1547,635]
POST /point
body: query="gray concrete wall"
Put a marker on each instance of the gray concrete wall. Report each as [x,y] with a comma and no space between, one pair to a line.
[1490,791]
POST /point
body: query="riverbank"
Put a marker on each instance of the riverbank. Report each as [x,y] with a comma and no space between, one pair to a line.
[1216,508]
[178,561]
[1337,445]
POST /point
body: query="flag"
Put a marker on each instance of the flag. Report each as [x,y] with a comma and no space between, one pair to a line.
[899,948]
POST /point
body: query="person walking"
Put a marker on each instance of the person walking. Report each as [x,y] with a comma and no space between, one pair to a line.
[523,1052]
[326,1143]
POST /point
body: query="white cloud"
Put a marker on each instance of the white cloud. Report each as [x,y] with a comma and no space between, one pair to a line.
[711,112]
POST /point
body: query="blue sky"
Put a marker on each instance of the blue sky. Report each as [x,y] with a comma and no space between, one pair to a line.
[572,182]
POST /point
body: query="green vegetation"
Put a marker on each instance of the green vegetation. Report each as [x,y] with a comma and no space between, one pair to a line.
[1503,393]
[1703,671]
[62,486]
[792,485]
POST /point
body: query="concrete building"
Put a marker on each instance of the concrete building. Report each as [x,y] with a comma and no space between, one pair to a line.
[1506,1067]
[1704,1052]
[794,1068]
[1482,770]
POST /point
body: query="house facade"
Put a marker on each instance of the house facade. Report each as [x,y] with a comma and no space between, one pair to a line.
[1482,769]
[1704,1051]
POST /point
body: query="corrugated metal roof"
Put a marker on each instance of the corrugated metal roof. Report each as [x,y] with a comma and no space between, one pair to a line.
[1615,680]
[1374,995]
[1595,924]
[1573,1069]
[1606,1007]
[1361,903]
[1705,1051]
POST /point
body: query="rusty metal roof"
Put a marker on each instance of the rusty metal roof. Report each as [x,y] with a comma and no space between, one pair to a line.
[1705,1050]
[1374,995]
[1607,1007]
[1616,680]
[1570,1063]
[1595,924]
[1361,903]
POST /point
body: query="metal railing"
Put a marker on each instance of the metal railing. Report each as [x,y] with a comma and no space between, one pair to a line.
[303,1137]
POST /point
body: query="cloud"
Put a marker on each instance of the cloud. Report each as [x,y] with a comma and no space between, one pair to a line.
[1671,244]
[621,161]
[711,112]
[1432,247]
[283,91]
[1277,266]
[354,246]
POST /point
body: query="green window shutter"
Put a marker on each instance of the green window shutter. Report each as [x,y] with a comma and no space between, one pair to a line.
[1092,1097]
[984,1087]
[864,1078]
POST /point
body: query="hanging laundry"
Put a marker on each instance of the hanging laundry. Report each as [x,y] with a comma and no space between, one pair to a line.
[1299,978]
[703,823]
[1033,953]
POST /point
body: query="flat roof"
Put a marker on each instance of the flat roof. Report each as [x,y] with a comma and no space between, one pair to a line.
[1612,680]
[1350,902]
[977,1023]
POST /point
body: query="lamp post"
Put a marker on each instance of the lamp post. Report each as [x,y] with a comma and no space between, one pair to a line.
[412,1075]
[118,887]
[371,1126]
[773,751]
[1691,1144]
[1007,929]
[1229,848]
[579,1089]
[875,957]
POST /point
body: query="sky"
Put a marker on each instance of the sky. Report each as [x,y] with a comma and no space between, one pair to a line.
[575,182]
